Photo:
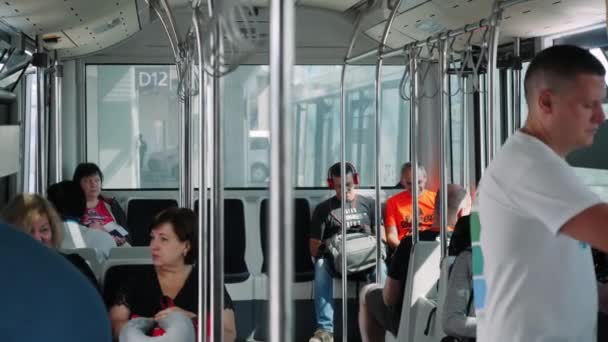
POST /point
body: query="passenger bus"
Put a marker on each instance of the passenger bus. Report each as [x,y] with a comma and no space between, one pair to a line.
[252,101]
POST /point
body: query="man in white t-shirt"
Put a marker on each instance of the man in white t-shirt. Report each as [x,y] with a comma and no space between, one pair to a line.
[533,273]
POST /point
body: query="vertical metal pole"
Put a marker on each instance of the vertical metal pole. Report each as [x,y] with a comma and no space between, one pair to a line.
[203,228]
[483,110]
[185,162]
[509,103]
[344,280]
[282,50]
[217,249]
[57,139]
[493,123]
[343,271]
[466,171]
[414,108]
[377,135]
[25,123]
[41,164]
[517,88]
[378,132]
[444,137]
[216,201]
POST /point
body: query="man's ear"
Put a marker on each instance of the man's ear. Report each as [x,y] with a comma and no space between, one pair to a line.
[545,101]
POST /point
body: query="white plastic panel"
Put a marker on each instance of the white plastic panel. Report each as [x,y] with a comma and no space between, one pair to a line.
[336,5]
[77,25]
[529,19]
[36,17]
[546,17]
[103,31]
[420,19]
[9,153]
[395,37]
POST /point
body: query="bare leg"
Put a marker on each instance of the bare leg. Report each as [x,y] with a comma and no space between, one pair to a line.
[371,330]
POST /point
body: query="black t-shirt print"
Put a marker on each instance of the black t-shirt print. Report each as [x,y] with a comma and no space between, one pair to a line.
[327,216]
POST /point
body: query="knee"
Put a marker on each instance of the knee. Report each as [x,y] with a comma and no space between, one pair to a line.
[364,291]
[321,267]
[320,263]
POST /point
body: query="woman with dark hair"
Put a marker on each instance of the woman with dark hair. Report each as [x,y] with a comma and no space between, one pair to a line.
[69,200]
[100,210]
[459,321]
[171,285]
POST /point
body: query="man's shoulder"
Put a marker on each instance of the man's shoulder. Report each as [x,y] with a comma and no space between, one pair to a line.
[400,197]
[365,200]
[325,204]
[521,148]
[429,195]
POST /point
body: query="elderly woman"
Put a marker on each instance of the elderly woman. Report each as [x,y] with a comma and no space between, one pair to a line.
[100,211]
[170,285]
[35,216]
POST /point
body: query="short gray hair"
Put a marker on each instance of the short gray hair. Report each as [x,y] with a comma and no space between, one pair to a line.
[408,165]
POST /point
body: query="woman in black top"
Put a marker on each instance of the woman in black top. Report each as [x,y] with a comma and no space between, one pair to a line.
[171,283]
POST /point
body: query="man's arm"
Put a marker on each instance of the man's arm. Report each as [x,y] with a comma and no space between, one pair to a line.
[390,221]
[602,291]
[590,226]
[392,237]
[119,316]
[314,245]
[317,228]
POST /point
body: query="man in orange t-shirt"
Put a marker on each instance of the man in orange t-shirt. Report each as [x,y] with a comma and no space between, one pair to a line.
[398,212]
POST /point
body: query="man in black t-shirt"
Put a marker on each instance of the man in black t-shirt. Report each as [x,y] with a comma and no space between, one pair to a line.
[326,222]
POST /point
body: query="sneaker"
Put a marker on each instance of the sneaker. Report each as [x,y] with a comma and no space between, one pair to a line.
[322,336]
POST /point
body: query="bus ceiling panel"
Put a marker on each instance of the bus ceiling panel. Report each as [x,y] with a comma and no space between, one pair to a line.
[103,32]
[422,19]
[322,37]
[39,17]
[335,5]
[539,18]
[9,138]
[395,38]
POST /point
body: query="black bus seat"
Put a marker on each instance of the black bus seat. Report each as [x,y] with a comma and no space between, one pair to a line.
[235,242]
[303,268]
[112,264]
[140,214]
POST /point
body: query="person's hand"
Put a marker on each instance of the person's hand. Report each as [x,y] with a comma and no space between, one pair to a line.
[119,240]
[163,313]
[136,329]
[176,327]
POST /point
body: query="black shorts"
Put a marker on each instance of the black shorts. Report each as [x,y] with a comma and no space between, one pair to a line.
[388,316]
